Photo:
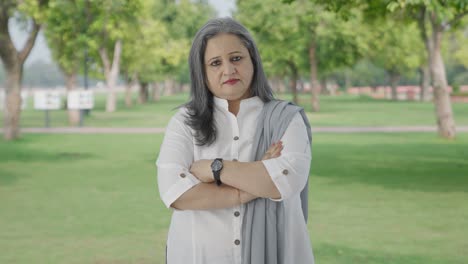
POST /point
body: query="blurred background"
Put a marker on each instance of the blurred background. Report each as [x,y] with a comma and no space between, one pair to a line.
[88,86]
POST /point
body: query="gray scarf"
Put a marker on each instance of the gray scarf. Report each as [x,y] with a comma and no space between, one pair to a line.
[263,237]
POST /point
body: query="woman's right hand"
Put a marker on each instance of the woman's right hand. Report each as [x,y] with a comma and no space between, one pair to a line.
[273,151]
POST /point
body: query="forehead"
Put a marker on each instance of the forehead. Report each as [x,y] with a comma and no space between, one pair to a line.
[223,44]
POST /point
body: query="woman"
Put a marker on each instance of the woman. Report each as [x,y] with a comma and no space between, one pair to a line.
[234,162]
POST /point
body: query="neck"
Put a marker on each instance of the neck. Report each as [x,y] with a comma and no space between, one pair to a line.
[233,107]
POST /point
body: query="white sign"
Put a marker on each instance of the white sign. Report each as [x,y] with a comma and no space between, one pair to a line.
[81,99]
[24,100]
[47,100]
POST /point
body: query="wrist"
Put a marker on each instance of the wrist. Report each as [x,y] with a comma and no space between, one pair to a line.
[216,167]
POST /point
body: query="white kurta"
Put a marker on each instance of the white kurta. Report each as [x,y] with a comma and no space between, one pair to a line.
[214,236]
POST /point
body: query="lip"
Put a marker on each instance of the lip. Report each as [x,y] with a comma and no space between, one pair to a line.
[231,81]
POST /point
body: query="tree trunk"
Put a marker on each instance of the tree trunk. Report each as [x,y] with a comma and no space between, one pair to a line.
[323,86]
[394,80]
[156,92]
[314,83]
[111,72]
[128,94]
[144,93]
[293,81]
[13,61]
[424,82]
[443,105]
[169,86]
[178,86]
[128,90]
[281,85]
[73,114]
[347,79]
[12,111]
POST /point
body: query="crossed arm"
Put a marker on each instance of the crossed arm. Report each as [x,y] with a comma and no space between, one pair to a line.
[242,182]
[188,185]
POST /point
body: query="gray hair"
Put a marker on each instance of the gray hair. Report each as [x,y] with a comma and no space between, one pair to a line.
[200,106]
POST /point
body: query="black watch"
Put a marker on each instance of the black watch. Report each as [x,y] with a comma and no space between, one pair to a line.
[216,167]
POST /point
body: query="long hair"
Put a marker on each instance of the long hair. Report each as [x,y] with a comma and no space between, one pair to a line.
[200,106]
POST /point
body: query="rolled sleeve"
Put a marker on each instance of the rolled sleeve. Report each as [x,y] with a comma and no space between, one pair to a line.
[173,181]
[290,171]
[174,160]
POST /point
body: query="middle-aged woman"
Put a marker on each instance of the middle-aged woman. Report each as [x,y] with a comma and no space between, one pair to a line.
[234,162]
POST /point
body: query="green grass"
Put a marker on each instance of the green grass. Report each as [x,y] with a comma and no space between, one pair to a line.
[342,110]
[374,198]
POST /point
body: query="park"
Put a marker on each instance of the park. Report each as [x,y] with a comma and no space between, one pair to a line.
[388,182]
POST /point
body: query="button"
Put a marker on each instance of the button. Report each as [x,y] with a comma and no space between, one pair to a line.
[237,242]
[182,175]
[236,138]
[285,172]
[236,213]
[235,160]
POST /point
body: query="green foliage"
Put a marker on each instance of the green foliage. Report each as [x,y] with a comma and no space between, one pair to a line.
[285,31]
[158,47]
[35,9]
[277,32]
[396,47]
[66,33]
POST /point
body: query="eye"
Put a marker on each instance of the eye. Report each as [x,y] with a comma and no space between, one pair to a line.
[215,63]
[236,58]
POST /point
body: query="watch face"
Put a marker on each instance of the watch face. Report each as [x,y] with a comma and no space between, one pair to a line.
[216,165]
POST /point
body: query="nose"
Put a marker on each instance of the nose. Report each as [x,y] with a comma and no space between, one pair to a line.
[229,68]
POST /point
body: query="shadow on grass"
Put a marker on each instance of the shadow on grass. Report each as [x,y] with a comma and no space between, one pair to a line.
[328,253]
[14,153]
[20,151]
[7,177]
[432,167]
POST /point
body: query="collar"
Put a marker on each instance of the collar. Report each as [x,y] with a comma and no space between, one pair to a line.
[247,104]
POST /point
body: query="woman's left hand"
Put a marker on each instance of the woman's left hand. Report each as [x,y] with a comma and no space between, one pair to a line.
[202,170]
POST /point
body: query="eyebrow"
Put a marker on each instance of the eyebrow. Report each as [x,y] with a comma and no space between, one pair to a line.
[232,52]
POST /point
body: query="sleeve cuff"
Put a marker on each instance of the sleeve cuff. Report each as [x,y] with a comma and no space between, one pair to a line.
[278,176]
[178,188]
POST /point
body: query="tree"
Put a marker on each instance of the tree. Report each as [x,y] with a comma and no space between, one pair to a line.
[436,17]
[303,37]
[278,36]
[141,59]
[109,24]
[32,12]
[158,49]
[183,19]
[65,33]
[396,48]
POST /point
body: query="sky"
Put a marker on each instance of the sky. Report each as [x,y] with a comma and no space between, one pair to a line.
[41,52]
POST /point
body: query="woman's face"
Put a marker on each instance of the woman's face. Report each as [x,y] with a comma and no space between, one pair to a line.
[228,67]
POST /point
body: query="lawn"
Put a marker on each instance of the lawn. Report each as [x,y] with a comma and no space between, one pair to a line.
[345,110]
[374,198]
